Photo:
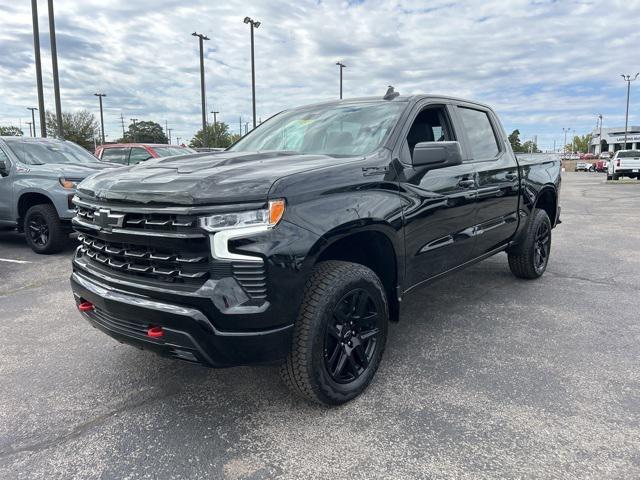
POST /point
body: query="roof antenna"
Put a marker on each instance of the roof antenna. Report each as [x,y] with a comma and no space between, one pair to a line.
[391,94]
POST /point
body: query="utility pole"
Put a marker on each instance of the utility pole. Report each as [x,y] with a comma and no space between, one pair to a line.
[54,61]
[573,141]
[30,131]
[36,48]
[166,129]
[564,148]
[246,128]
[169,134]
[122,122]
[135,130]
[100,95]
[201,39]
[178,140]
[215,119]
[341,65]
[33,118]
[600,137]
[240,122]
[628,79]
[253,24]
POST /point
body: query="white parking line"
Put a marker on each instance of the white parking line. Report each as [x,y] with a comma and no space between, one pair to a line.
[13,261]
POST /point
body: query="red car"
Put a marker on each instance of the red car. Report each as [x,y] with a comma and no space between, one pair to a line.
[132,153]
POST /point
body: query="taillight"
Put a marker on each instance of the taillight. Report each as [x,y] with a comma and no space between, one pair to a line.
[618,163]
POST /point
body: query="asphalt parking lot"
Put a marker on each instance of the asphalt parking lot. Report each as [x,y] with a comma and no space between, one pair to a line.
[485,376]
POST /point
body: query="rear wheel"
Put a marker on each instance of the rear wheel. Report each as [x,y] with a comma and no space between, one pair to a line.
[532,258]
[340,334]
[43,229]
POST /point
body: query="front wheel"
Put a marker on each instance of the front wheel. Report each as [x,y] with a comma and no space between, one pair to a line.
[533,257]
[340,334]
[43,229]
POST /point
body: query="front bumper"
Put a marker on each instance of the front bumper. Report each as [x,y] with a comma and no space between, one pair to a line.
[189,333]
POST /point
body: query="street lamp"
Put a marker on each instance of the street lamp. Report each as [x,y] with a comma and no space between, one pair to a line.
[54,61]
[201,39]
[253,24]
[628,79]
[36,49]
[215,127]
[341,65]
[30,131]
[33,119]
[600,136]
[100,95]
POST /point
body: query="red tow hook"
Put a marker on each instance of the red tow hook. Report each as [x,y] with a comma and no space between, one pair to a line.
[85,306]
[155,332]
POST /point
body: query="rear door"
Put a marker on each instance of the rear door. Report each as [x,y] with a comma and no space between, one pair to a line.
[496,175]
[439,211]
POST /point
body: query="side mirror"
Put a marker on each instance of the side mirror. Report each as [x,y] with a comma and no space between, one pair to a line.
[437,154]
[4,168]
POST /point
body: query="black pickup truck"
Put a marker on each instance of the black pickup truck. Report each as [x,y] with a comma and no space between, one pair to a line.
[296,245]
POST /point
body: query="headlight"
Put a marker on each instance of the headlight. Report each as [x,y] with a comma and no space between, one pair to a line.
[68,183]
[268,217]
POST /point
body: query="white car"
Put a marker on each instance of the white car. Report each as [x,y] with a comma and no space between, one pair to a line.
[584,167]
[625,163]
[605,155]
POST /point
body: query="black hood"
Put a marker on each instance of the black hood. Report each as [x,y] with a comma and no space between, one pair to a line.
[225,177]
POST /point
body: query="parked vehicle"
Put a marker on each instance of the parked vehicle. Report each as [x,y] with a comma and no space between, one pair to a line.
[38,178]
[605,155]
[601,165]
[625,163]
[132,153]
[584,167]
[587,156]
[296,245]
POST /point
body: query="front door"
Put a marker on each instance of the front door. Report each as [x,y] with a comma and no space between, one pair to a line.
[497,177]
[6,191]
[439,210]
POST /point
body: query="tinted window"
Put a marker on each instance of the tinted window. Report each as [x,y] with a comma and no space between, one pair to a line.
[481,136]
[116,155]
[431,125]
[138,154]
[40,152]
[629,154]
[334,129]
[171,151]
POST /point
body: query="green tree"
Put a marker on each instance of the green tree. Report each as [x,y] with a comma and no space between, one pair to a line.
[218,136]
[10,131]
[514,140]
[580,143]
[79,127]
[144,132]
[529,147]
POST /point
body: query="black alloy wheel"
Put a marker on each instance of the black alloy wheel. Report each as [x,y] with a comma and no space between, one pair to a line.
[542,246]
[351,336]
[38,230]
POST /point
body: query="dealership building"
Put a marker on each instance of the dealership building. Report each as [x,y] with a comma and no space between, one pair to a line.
[613,139]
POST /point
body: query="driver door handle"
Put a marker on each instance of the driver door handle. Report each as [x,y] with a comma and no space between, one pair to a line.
[466,183]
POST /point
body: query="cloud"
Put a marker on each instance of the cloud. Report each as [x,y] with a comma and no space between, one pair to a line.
[543,65]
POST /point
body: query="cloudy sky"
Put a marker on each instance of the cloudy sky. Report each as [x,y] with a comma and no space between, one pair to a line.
[542,64]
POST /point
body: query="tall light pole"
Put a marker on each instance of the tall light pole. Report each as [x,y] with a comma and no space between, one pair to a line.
[36,48]
[33,118]
[30,131]
[628,79]
[169,132]
[341,65]
[54,61]
[135,130]
[253,24]
[215,127]
[215,119]
[600,136]
[573,141]
[564,148]
[201,39]
[100,95]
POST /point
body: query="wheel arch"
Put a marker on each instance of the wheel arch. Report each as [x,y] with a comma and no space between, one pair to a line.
[547,200]
[30,198]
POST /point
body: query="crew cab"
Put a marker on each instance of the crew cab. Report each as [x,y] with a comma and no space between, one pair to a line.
[625,163]
[38,178]
[297,244]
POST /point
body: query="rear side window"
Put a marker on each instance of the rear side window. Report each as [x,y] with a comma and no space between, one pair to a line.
[484,144]
[116,155]
[138,154]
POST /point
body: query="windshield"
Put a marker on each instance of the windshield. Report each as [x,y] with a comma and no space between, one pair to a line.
[339,129]
[39,153]
[629,154]
[170,151]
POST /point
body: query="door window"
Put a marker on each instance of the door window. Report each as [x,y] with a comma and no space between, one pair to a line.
[116,155]
[431,125]
[482,138]
[138,154]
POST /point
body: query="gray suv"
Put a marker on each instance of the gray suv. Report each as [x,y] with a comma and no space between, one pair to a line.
[38,178]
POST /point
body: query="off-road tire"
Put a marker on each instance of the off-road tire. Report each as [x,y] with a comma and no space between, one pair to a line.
[523,263]
[57,237]
[305,371]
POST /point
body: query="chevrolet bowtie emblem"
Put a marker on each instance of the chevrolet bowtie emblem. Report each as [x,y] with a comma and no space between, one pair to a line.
[105,219]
